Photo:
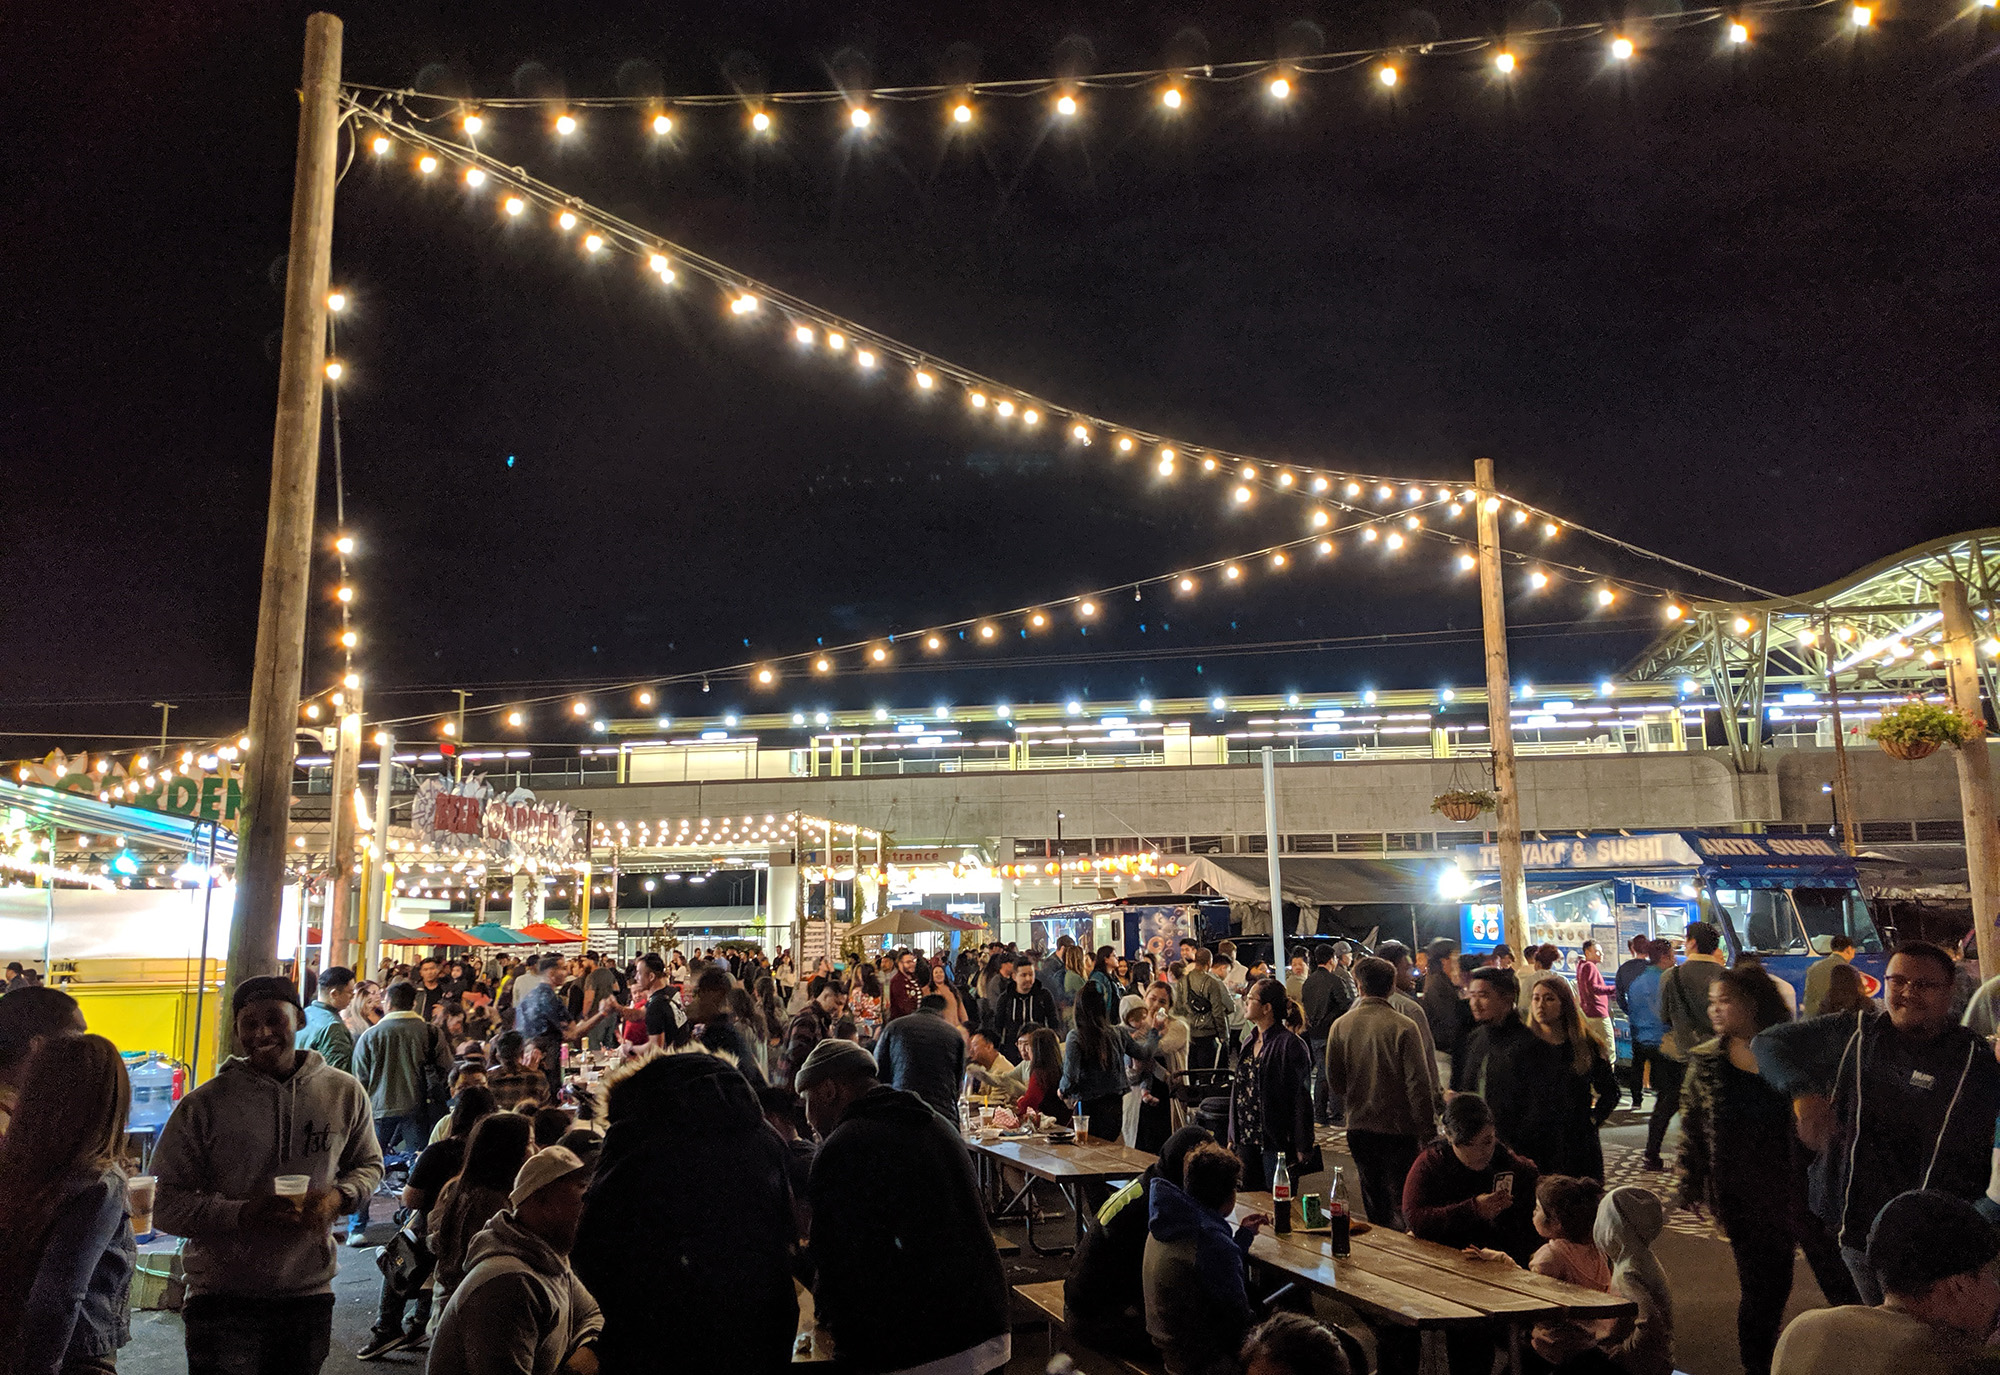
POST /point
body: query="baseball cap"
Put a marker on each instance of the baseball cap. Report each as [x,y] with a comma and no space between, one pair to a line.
[544,1168]
[265,986]
[833,1059]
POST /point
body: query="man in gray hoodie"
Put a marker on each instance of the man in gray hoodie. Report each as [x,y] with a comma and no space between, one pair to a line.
[259,1263]
[520,1308]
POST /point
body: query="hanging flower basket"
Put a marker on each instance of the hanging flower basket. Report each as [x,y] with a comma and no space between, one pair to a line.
[1459,804]
[1915,729]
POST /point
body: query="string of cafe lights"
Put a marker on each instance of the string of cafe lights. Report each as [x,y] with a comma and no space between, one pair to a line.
[811,328]
[1173,89]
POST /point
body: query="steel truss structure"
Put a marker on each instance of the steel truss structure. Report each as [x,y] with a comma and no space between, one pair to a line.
[1875,629]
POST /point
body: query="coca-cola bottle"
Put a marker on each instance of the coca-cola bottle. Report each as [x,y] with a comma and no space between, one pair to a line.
[1281,1198]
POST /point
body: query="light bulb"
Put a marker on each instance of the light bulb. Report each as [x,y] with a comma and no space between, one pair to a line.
[565,125]
[427,164]
[345,544]
[1504,62]
[1321,519]
[1861,16]
[865,358]
[662,124]
[1741,625]
[858,118]
[1386,74]
[1538,579]
[835,340]
[822,666]
[1166,464]
[978,400]
[515,205]
[924,380]
[567,219]
[803,334]
[1006,409]
[513,718]
[658,263]
[986,632]
[333,370]
[1038,620]
[1232,572]
[1171,98]
[1285,479]
[744,304]
[1124,443]
[592,242]
[1242,495]
[1739,33]
[761,122]
[1674,611]
[345,594]
[765,676]
[336,302]
[1621,48]
[933,642]
[1467,563]
[579,708]
[1087,609]
[1187,584]
[349,639]
[879,654]
[1605,596]
[1279,88]
[961,114]
[1066,105]
[475,177]
[1080,433]
[1326,546]
[380,145]
[1277,560]
[1031,416]
[1395,541]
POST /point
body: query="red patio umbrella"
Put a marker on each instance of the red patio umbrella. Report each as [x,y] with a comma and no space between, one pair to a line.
[444,933]
[551,935]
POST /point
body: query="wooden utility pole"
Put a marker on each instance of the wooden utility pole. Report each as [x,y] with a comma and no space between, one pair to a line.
[288,534]
[344,825]
[1843,788]
[1499,706]
[1975,775]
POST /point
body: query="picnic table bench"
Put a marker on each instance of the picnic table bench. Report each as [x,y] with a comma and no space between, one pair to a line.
[1390,1277]
[1067,1165]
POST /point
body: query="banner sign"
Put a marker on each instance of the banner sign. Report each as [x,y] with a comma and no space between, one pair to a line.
[1664,850]
[512,829]
[209,796]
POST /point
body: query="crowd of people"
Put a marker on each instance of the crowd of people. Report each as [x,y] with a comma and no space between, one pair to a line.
[535,1125]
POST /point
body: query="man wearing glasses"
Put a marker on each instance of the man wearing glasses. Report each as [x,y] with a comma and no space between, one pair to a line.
[1891,1101]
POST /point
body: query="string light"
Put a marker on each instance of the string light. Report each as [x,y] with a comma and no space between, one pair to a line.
[1621,49]
[379,145]
[515,205]
[1861,16]
[761,122]
[427,164]
[333,369]
[566,220]
[1279,88]
[336,301]
[1505,63]
[565,125]
[1171,98]
[1739,33]
[662,125]
[961,114]
[1066,105]
[1386,74]
[858,118]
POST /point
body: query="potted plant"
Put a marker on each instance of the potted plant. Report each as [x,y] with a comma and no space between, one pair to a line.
[1463,804]
[1912,730]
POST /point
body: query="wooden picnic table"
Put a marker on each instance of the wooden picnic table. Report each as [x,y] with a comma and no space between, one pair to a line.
[814,1344]
[1394,1278]
[1067,1165]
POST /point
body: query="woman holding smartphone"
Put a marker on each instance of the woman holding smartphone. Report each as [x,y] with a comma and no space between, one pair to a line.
[1468,1190]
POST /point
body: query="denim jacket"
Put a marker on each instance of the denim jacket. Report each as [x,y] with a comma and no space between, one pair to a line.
[80,1303]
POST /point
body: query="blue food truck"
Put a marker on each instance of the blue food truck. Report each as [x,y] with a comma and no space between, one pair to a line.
[1781,899]
[1137,927]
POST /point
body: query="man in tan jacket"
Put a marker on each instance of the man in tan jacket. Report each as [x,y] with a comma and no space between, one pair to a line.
[1376,1060]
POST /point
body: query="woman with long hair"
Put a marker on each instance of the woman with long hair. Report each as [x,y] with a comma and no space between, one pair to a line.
[1104,974]
[940,986]
[66,1249]
[864,1000]
[1564,1066]
[1270,1110]
[1076,972]
[365,1009]
[498,1148]
[1739,1146]
[1042,1053]
[770,1006]
[1093,1071]
[822,975]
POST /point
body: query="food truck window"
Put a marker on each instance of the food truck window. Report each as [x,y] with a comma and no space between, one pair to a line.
[1830,912]
[1762,920]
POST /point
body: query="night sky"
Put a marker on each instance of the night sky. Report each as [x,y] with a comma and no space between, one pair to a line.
[1739,308]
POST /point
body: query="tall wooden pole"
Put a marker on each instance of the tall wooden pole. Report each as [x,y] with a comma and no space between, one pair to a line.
[288,533]
[344,825]
[382,871]
[1843,780]
[1499,707]
[1975,775]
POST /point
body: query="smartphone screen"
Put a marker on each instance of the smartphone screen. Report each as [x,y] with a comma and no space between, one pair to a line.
[1503,1182]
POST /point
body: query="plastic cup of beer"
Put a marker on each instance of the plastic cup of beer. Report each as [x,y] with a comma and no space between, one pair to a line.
[139,1191]
[294,1187]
